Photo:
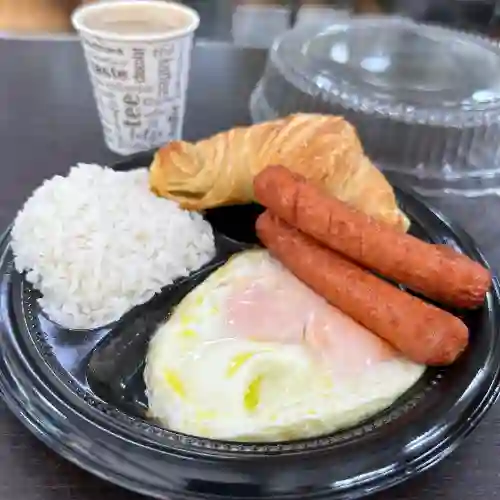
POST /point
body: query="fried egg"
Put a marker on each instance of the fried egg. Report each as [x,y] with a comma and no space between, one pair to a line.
[253,354]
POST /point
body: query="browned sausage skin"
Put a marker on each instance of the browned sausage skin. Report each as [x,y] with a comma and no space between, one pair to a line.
[421,331]
[436,272]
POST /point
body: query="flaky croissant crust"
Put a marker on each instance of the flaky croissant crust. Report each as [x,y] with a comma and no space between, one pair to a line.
[323,148]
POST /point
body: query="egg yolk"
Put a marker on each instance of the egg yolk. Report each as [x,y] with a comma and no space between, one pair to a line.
[279,308]
[252,394]
[174,381]
[238,361]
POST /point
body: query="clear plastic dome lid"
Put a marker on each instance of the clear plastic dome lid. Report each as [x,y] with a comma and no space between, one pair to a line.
[435,90]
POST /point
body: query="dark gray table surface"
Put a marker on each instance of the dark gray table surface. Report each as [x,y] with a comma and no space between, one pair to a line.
[48,122]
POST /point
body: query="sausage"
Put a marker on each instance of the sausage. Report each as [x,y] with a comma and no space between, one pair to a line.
[421,331]
[436,271]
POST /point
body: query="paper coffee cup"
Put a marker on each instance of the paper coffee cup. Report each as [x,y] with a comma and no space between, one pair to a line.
[138,55]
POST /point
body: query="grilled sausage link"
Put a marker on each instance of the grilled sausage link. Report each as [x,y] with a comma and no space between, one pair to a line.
[421,331]
[436,271]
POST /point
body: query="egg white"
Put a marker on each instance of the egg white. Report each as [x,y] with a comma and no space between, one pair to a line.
[203,380]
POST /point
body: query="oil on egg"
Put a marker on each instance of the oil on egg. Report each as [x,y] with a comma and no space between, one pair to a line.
[252,354]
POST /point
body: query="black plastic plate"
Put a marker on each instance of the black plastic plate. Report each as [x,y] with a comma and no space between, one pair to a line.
[82,393]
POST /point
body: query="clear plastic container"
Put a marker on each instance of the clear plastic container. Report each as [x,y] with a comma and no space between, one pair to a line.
[425,99]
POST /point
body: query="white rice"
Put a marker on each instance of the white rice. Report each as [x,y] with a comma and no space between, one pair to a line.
[98,242]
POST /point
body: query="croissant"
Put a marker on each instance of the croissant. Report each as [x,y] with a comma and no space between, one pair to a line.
[323,148]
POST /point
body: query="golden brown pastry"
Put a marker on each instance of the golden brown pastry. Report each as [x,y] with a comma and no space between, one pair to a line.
[324,149]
